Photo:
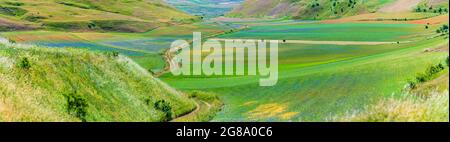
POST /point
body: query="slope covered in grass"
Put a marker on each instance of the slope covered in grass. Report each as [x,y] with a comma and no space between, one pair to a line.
[94,15]
[43,84]
[14,25]
[428,102]
[154,10]
[407,109]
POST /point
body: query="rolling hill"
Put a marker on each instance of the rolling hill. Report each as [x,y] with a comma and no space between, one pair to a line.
[44,84]
[326,9]
[91,15]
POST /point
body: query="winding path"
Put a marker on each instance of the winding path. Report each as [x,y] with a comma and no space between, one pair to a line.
[194,112]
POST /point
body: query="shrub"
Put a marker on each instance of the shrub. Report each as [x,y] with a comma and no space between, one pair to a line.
[429,73]
[25,63]
[444,29]
[112,54]
[92,26]
[434,69]
[77,106]
[34,18]
[420,78]
[67,26]
[165,107]
[12,41]
[78,5]
[412,85]
[14,3]
[115,54]
[204,96]
[12,11]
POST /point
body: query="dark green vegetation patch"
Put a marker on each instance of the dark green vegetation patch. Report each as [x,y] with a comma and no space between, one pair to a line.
[12,11]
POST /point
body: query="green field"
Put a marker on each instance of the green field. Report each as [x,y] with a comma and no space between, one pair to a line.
[332,32]
[318,82]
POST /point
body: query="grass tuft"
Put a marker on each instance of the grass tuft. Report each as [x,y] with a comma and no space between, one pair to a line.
[409,108]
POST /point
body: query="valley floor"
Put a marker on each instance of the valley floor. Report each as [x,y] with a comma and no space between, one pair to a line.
[326,68]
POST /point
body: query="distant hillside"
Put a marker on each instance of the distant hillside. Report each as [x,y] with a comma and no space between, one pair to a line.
[92,15]
[324,9]
[205,8]
[400,6]
[44,84]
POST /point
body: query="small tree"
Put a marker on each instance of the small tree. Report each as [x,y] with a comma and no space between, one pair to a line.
[420,78]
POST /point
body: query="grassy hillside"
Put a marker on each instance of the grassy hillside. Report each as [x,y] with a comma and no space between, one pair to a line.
[44,84]
[406,109]
[428,102]
[323,9]
[93,15]
[306,9]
